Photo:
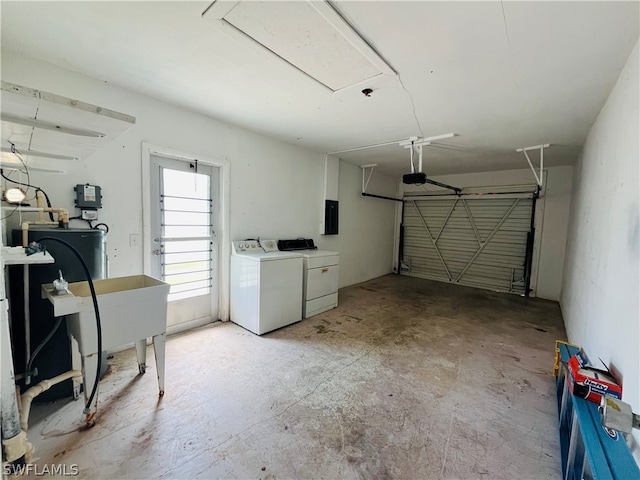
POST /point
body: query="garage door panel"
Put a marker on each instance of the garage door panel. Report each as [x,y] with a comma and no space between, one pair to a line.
[457,244]
[419,249]
[482,243]
[495,253]
[429,268]
[496,275]
[500,286]
[506,239]
[499,261]
[491,222]
[427,253]
[456,265]
[520,223]
[441,278]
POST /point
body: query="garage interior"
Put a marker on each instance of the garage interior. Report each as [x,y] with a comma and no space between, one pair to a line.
[474,166]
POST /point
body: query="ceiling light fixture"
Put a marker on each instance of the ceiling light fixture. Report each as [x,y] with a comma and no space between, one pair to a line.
[14,196]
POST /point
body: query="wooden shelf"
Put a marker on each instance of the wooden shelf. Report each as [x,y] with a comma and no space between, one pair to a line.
[50,130]
[16,256]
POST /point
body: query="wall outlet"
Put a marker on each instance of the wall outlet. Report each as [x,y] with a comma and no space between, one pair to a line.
[134,240]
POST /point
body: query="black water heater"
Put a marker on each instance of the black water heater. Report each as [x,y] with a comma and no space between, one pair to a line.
[55,357]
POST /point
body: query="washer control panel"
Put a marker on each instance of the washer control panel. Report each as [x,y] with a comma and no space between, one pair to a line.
[247,246]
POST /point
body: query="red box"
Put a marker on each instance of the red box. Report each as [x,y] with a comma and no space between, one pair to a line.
[589,382]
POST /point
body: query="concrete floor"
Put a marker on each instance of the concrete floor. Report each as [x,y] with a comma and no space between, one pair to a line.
[408,379]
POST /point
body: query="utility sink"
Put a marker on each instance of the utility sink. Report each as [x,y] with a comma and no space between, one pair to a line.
[132,309]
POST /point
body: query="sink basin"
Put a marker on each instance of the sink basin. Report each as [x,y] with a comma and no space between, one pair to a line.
[131,308]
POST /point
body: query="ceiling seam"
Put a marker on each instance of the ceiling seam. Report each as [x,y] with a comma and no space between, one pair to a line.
[506,31]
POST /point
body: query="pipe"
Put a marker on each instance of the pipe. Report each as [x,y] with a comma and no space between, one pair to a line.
[28,396]
[27,321]
[443,185]
[22,209]
[466,194]
[364,147]
[530,242]
[9,413]
[381,196]
[17,449]
[40,204]
[401,241]
[25,234]
[63,221]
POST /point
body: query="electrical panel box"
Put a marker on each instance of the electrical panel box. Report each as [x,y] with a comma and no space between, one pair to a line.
[330,217]
[88,197]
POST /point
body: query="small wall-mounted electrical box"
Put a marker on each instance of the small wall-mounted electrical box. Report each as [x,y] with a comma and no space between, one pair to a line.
[88,200]
[88,197]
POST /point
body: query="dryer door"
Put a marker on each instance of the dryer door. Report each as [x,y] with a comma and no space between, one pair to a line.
[321,281]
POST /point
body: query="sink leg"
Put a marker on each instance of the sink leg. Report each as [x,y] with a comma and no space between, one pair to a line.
[89,366]
[141,353]
[158,349]
[76,364]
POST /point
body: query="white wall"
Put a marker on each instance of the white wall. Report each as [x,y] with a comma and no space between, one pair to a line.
[366,227]
[553,205]
[601,282]
[275,188]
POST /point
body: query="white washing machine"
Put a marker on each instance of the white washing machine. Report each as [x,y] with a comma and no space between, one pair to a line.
[320,281]
[266,287]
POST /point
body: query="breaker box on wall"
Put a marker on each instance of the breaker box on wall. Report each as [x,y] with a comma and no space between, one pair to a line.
[330,217]
[331,173]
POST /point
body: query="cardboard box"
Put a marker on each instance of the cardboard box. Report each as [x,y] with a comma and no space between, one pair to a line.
[588,382]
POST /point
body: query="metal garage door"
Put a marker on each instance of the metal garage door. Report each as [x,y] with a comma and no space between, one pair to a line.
[480,241]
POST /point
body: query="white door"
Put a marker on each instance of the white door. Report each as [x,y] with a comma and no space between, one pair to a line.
[184,222]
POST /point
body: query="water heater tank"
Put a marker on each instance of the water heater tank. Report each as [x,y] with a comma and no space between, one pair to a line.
[55,357]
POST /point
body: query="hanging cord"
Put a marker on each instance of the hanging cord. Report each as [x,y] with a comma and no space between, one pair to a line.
[26,172]
[43,343]
[95,309]
[18,155]
[91,225]
[15,151]
[82,219]
[106,227]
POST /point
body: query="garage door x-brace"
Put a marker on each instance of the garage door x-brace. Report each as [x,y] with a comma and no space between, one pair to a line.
[481,244]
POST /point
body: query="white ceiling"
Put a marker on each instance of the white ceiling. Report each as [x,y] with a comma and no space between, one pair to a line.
[501,75]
